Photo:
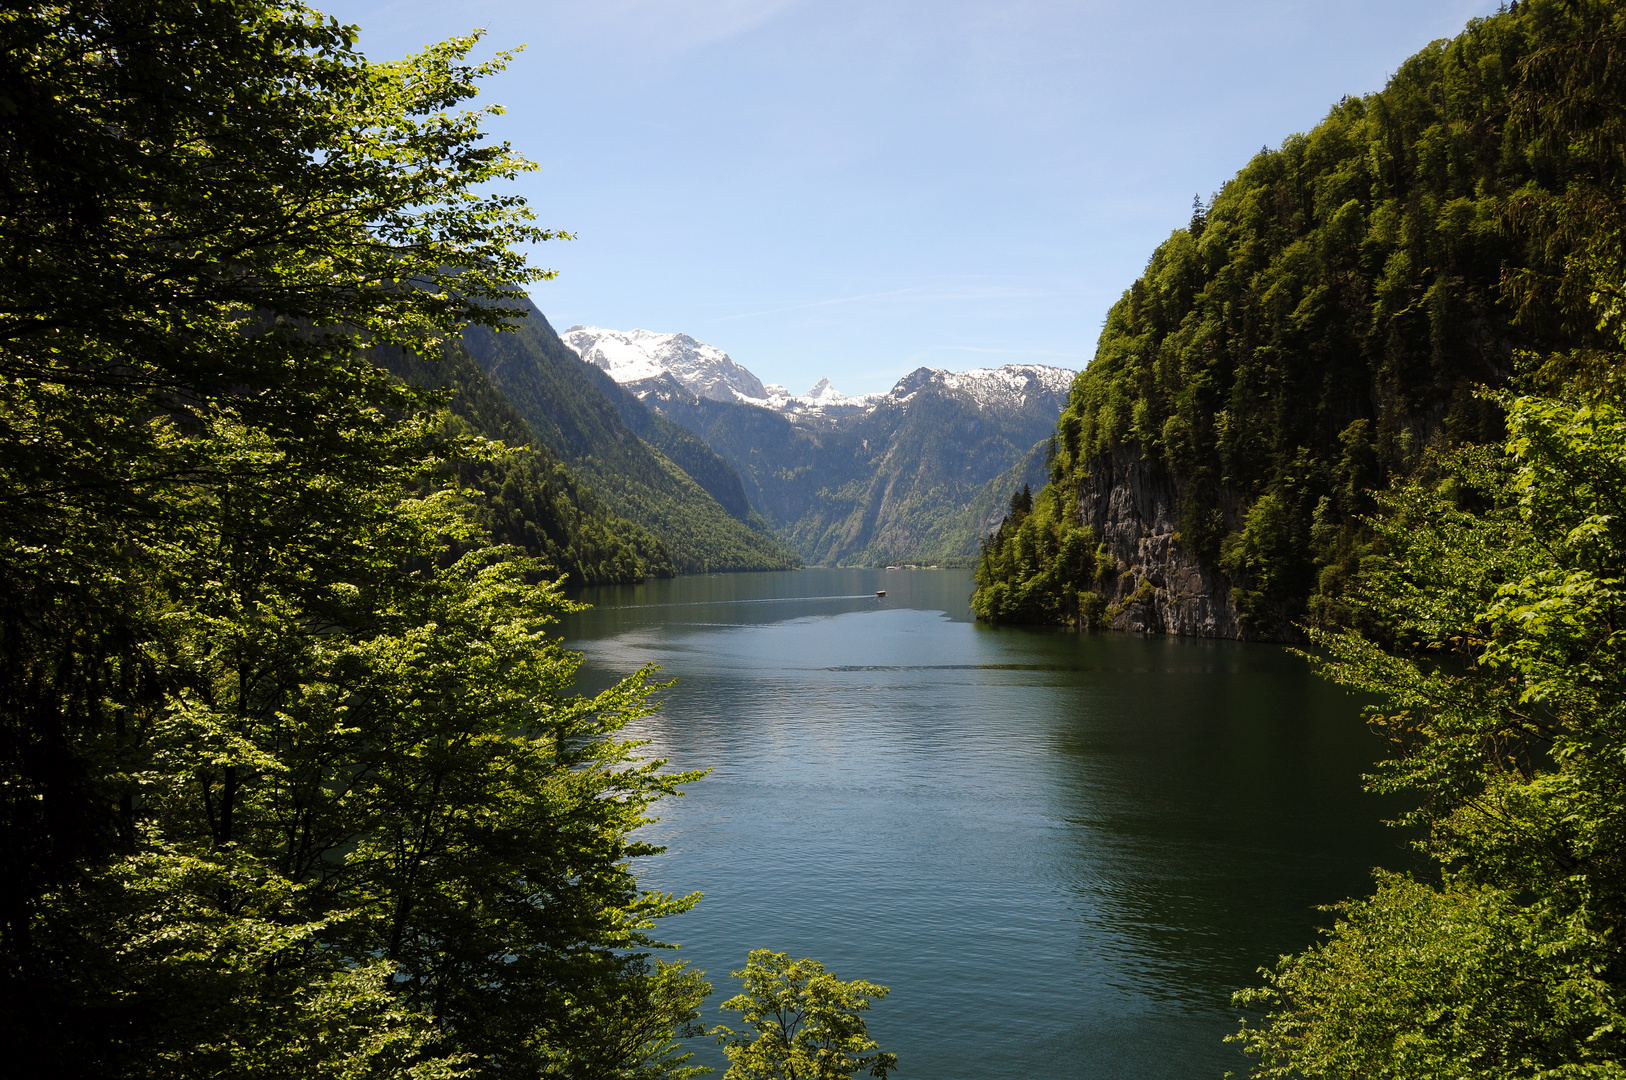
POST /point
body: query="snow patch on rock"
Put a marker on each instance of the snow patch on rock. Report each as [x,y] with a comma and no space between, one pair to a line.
[632,357]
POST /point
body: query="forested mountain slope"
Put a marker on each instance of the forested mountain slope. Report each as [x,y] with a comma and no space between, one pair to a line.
[896,480]
[686,449]
[532,500]
[988,508]
[577,412]
[1320,324]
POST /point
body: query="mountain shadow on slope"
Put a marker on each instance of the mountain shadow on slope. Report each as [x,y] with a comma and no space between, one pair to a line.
[532,500]
[578,413]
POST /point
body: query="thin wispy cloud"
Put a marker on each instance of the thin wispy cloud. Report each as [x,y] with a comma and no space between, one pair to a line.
[1003,352]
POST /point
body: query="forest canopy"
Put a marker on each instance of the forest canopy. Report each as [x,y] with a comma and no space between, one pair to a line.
[1328,314]
[292,780]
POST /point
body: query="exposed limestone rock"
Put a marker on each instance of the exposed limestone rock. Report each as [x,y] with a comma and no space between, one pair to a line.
[1133,505]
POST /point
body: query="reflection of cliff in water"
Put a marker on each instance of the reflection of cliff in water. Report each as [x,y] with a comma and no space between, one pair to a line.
[1206,810]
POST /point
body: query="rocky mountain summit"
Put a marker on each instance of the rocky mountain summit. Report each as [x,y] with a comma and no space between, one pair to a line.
[822,401]
[632,357]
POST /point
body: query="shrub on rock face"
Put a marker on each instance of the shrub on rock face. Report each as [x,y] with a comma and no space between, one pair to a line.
[1029,570]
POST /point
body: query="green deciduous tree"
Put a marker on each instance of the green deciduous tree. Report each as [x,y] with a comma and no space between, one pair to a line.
[292,782]
[1504,697]
[808,1025]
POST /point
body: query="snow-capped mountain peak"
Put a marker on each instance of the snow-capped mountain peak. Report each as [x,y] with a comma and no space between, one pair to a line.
[631,356]
[1009,385]
[1001,388]
[822,393]
[821,400]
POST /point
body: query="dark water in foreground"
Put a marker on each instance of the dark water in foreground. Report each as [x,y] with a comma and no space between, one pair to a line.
[1062,852]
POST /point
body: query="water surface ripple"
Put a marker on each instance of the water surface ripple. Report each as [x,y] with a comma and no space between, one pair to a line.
[1062,852]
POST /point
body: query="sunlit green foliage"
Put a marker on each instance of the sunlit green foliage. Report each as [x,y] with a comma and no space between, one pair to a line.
[1327,316]
[1496,592]
[378,767]
[1505,701]
[1032,568]
[1460,982]
[291,780]
[808,1024]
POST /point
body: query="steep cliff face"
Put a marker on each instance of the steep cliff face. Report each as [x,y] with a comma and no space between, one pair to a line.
[1161,587]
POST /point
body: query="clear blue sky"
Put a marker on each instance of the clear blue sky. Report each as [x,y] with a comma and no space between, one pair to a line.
[855,189]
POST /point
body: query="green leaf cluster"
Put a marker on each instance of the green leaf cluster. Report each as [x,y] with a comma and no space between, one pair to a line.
[292,780]
[1328,314]
[808,1024]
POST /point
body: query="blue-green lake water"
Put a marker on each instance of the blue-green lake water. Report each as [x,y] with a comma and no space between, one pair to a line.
[1062,852]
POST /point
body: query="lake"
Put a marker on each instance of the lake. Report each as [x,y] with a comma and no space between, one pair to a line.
[1062,852]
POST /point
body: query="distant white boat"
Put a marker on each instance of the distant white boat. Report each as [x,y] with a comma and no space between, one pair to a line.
[880,593]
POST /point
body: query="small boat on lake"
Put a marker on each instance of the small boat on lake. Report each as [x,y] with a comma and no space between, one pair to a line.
[879,593]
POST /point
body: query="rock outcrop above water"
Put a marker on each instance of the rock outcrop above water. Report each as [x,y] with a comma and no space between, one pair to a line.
[1161,588]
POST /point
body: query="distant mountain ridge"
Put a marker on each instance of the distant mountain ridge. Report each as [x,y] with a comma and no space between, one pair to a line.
[644,468]
[642,360]
[904,476]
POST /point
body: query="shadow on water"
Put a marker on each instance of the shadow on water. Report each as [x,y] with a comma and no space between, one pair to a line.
[1063,852]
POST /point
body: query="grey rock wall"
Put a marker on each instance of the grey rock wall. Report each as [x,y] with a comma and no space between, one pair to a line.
[1161,588]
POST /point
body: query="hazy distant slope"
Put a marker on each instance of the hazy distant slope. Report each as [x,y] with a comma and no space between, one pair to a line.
[686,449]
[791,471]
[569,405]
[988,506]
[893,481]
